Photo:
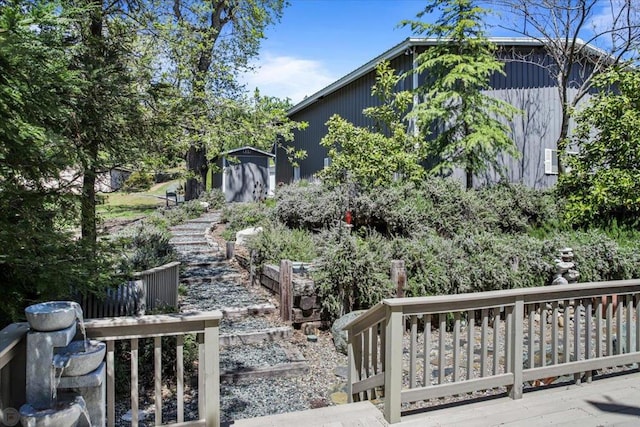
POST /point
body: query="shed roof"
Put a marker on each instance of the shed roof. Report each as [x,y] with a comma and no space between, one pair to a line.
[247,151]
[404,47]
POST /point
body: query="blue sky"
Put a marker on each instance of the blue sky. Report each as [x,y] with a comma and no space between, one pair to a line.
[319,41]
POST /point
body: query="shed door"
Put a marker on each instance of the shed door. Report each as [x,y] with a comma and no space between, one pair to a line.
[248,180]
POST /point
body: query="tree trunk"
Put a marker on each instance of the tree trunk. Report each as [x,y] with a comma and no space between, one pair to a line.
[88,207]
[561,144]
[469,178]
[197,164]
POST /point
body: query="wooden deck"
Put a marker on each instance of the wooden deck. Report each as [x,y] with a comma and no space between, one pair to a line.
[612,401]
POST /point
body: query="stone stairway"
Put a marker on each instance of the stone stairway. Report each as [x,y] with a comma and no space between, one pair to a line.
[255,346]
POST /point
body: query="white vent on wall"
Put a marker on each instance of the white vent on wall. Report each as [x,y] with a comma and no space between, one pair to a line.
[550,161]
[327,162]
[296,174]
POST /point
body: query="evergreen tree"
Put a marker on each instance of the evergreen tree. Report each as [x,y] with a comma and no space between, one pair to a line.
[469,125]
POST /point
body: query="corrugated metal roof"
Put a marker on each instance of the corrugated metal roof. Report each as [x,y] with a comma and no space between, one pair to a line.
[403,47]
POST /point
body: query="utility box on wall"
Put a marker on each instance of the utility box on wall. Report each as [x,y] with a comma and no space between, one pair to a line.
[243,174]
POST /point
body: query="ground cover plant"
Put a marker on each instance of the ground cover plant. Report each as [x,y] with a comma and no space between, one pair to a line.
[452,240]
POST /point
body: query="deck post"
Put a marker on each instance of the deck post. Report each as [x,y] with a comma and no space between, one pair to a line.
[393,364]
[351,373]
[286,290]
[515,340]
[211,374]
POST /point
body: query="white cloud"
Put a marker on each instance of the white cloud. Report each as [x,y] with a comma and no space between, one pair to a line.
[288,77]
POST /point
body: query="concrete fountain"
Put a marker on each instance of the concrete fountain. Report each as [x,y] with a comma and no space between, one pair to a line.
[57,362]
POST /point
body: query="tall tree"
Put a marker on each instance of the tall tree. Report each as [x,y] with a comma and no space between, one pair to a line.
[109,125]
[470,124]
[209,42]
[39,87]
[583,38]
[603,183]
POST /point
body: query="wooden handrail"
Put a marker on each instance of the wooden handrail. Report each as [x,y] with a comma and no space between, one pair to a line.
[513,320]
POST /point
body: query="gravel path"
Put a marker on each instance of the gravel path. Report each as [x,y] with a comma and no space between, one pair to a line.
[214,284]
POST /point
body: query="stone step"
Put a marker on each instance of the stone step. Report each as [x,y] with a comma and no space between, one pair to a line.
[250,310]
[266,360]
[266,335]
[190,242]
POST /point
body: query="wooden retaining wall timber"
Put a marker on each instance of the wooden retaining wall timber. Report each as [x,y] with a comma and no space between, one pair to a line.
[305,304]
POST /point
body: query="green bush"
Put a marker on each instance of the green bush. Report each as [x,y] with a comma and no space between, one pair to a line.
[144,246]
[138,181]
[599,257]
[277,242]
[352,272]
[311,206]
[165,218]
[214,197]
[474,262]
[239,216]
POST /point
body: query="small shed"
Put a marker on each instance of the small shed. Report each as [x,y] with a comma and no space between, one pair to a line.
[243,174]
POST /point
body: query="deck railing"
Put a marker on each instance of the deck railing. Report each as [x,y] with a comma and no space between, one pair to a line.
[414,349]
[133,329]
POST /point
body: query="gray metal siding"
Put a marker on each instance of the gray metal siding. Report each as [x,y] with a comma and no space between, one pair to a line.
[527,85]
[348,102]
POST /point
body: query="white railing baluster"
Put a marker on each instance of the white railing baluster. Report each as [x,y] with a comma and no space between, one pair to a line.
[471,318]
[554,333]
[532,336]
[542,348]
[599,308]
[111,388]
[588,348]
[566,332]
[366,346]
[629,321]
[484,343]
[426,371]
[619,337]
[180,377]
[576,337]
[496,339]
[456,346]
[157,364]
[413,346]
[442,347]
[134,382]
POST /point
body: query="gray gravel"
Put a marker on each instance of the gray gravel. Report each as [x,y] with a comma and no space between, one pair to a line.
[233,358]
[215,295]
[244,324]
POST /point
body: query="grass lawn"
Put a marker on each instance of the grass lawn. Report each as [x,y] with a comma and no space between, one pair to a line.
[120,205]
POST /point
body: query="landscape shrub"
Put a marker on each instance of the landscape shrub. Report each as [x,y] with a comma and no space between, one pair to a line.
[239,216]
[214,197]
[167,217]
[514,208]
[599,257]
[310,206]
[474,262]
[406,209]
[352,272]
[138,181]
[144,245]
[277,242]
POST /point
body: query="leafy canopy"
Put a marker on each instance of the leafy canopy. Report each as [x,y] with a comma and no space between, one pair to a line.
[603,182]
[371,157]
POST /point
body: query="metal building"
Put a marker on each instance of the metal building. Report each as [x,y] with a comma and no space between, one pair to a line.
[244,174]
[527,85]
